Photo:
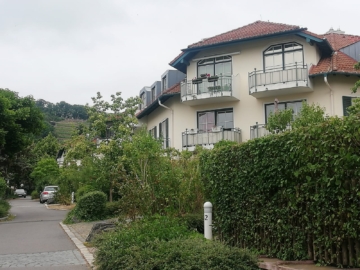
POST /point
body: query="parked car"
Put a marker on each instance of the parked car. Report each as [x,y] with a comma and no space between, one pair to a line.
[48,193]
[20,193]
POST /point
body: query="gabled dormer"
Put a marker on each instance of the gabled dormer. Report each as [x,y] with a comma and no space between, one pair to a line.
[145,95]
[171,77]
[155,90]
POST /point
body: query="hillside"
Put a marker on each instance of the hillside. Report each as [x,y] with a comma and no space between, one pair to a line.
[64,129]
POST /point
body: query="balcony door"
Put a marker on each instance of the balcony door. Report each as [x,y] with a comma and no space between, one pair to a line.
[216,118]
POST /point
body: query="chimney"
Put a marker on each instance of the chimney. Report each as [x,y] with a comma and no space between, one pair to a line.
[338,31]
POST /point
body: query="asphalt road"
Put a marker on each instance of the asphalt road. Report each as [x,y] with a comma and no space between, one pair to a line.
[35,240]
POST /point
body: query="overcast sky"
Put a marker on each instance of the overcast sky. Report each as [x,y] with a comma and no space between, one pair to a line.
[67,50]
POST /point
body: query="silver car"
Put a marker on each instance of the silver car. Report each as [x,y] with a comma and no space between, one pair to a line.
[48,193]
[20,193]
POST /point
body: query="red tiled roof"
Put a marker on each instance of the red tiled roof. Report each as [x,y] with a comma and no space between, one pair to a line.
[176,58]
[338,62]
[339,41]
[173,89]
[256,29]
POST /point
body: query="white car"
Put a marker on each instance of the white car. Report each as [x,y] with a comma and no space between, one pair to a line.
[20,193]
[48,193]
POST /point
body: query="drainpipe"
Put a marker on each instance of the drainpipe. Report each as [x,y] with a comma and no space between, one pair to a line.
[172,119]
[331,95]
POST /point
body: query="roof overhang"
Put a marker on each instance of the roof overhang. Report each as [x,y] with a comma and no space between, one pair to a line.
[324,74]
[154,105]
[323,44]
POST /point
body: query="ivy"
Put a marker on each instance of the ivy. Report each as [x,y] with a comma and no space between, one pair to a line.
[294,195]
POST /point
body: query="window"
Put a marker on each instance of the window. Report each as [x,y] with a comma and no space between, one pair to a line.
[164,132]
[347,102]
[215,66]
[153,133]
[217,118]
[283,56]
[294,105]
[163,84]
[153,94]
[143,98]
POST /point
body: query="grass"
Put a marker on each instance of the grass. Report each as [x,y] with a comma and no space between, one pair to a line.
[65,128]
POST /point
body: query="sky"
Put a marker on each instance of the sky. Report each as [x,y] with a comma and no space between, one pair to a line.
[68,50]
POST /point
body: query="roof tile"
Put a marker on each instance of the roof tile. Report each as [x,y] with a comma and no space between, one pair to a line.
[339,41]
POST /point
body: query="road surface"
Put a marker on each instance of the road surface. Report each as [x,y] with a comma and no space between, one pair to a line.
[35,240]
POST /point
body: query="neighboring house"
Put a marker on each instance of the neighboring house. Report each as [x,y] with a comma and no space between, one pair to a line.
[233,80]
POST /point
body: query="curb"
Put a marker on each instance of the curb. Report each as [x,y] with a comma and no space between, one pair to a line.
[89,258]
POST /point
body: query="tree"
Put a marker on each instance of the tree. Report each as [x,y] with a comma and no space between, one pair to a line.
[357,84]
[47,147]
[45,172]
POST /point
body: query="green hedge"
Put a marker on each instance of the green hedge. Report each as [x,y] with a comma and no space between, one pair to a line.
[4,208]
[165,243]
[91,206]
[293,196]
[35,195]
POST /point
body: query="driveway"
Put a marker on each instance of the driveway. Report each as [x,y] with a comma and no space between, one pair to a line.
[35,240]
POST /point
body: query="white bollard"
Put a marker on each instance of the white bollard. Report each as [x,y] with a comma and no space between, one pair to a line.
[72,197]
[208,220]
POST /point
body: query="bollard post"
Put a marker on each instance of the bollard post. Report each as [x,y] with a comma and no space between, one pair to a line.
[72,197]
[208,220]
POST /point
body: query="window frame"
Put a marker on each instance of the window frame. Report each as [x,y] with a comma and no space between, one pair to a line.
[153,94]
[283,102]
[216,111]
[143,99]
[165,142]
[345,99]
[283,54]
[153,132]
[213,64]
[164,83]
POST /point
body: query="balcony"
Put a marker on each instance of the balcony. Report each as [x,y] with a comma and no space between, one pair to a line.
[293,79]
[207,90]
[193,137]
[259,130]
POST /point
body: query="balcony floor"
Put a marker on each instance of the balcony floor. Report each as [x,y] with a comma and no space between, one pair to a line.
[280,89]
[208,98]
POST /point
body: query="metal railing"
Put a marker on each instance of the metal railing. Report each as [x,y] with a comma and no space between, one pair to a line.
[193,137]
[259,130]
[295,73]
[206,85]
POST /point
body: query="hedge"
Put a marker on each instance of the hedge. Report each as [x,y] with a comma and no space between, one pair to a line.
[293,196]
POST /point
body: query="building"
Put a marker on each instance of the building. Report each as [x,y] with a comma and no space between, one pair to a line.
[232,80]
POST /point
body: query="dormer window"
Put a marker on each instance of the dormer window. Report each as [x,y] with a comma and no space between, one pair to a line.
[283,56]
[163,84]
[143,103]
[153,94]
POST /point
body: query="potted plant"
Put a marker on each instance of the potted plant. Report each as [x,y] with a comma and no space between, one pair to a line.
[213,78]
[197,80]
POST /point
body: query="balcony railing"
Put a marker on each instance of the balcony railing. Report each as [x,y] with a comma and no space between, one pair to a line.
[259,130]
[206,87]
[292,76]
[193,137]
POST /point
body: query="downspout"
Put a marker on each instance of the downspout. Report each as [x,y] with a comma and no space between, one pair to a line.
[331,95]
[172,120]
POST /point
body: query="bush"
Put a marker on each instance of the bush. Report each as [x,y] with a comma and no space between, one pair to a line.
[35,195]
[91,206]
[5,205]
[112,209]
[3,212]
[3,187]
[166,243]
[194,222]
[83,190]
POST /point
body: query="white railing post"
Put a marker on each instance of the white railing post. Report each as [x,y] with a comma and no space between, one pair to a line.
[208,220]
[72,197]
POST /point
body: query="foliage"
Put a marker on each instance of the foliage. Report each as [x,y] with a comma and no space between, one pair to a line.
[357,84]
[113,209]
[45,172]
[84,190]
[61,110]
[35,195]
[194,222]
[224,143]
[4,208]
[310,114]
[91,206]
[71,217]
[165,243]
[47,147]
[354,109]
[279,121]
[3,187]
[293,195]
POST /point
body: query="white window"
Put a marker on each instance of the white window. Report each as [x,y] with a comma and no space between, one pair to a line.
[164,133]
[294,105]
[216,118]
[283,56]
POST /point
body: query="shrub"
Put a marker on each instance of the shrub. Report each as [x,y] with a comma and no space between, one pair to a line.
[165,243]
[35,195]
[194,222]
[3,212]
[112,209]
[3,187]
[91,206]
[83,190]
[71,217]
[5,205]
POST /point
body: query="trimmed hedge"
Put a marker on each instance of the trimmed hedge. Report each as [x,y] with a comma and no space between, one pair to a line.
[83,190]
[165,243]
[294,195]
[4,208]
[35,195]
[91,206]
